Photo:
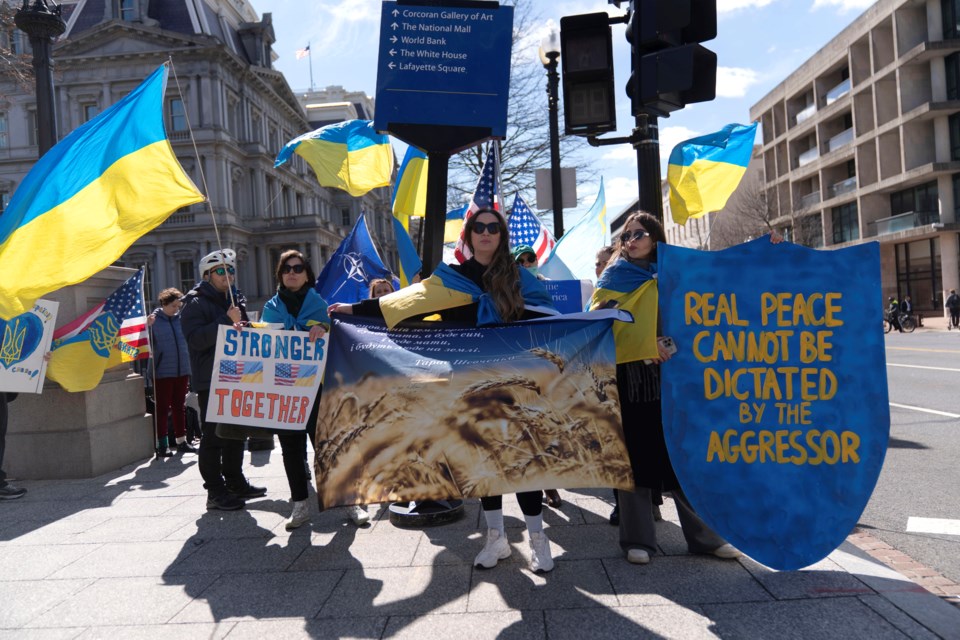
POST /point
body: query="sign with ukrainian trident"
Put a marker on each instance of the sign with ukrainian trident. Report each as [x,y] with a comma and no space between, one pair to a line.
[24,339]
[430,411]
[265,377]
[775,406]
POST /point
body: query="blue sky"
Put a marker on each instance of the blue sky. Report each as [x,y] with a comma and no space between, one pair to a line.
[759,43]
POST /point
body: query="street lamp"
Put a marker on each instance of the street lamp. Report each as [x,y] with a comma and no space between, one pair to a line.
[549,56]
[42,23]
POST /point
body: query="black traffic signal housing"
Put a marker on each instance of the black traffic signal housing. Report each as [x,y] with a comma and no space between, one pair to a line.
[670,68]
[586,57]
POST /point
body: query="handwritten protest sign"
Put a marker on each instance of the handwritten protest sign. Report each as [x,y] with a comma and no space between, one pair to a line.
[775,406]
[265,377]
[23,341]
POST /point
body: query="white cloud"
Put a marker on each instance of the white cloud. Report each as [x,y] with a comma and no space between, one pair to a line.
[726,6]
[843,5]
[733,82]
[620,152]
[345,24]
[619,192]
[671,137]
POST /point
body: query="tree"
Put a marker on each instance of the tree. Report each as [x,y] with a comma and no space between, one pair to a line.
[527,146]
[15,61]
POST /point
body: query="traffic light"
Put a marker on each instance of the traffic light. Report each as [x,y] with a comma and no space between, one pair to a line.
[586,55]
[670,68]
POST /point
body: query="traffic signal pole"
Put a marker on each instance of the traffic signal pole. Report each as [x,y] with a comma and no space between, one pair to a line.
[646,140]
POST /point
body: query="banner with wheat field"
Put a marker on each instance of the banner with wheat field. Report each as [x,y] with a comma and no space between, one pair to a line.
[429,411]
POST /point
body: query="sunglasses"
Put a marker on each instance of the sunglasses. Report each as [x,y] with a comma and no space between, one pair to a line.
[627,236]
[527,259]
[493,228]
[296,268]
[222,271]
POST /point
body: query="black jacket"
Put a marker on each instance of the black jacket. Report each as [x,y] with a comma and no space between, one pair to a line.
[204,310]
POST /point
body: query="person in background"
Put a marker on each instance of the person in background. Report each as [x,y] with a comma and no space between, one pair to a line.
[8,491]
[893,313]
[638,384]
[952,304]
[171,366]
[491,272]
[298,307]
[526,257]
[215,301]
[603,257]
[380,287]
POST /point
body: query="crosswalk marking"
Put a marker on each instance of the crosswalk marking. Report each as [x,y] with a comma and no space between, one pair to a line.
[933,525]
[933,411]
[917,366]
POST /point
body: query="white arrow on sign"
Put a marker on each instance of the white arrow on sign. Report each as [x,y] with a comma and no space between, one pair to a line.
[393,52]
[393,39]
[394,26]
[391,66]
[396,12]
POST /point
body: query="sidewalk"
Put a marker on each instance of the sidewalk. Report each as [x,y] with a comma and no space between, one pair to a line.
[134,554]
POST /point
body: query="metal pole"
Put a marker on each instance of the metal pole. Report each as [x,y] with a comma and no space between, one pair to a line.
[42,24]
[648,165]
[553,85]
[436,210]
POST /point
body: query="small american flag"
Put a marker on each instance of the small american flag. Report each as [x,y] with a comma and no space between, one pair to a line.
[303,53]
[241,371]
[295,375]
[485,196]
[525,228]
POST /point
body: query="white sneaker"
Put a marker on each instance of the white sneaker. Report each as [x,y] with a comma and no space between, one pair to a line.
[358,513]
[727,552]
[638,556]
[542,558]
[300,515]
[497,548]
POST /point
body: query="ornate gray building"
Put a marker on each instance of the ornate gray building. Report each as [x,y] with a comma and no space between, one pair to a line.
[227,112]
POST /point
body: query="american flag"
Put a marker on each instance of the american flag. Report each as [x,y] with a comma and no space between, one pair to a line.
[295,375]
[525,228]
[485,196]
[303,53]
[126,305]
[240,371]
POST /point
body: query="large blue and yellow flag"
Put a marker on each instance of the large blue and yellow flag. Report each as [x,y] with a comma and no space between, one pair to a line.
[410,263]
[454,224]
[347,155]
[90,197]
[410,190]
[574,255]
[704,172]
[627,286]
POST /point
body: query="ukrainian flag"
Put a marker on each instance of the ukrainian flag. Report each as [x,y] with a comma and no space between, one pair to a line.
[410,191]
[454,224]
[90,197]
[704,172]
[410,264]
[348,155]
[632,288]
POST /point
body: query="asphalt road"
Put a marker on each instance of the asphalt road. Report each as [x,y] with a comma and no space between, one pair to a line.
[921,473]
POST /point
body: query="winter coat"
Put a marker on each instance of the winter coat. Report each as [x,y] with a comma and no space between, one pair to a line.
[171,357]
[953,301]
[204,310]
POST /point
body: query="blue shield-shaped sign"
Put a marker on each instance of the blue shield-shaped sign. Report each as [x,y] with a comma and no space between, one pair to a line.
[775,406]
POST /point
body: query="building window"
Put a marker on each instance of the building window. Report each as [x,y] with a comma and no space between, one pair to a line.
[345,217]
[956,194]
[4,201]
[4,139]
[127,10]
[177,115]
[33,135]
[233,114]
[951,18]
[919,274]
[922,200]
[952,64]
[90,111]
[846,227]
[147,287]
[186,275]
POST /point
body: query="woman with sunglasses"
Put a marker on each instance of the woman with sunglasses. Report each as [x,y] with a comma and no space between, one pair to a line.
[298,307]
[632,267]
[501,293]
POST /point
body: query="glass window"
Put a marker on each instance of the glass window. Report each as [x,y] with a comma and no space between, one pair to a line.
[345,217]
[148,288]
[233,114]
[4,201]
[128,10]
[951,18]
[845,224]
[178,115]
[952,63]
[954,123]
[90,111]
[4,140]
[33,136]
[919,274]
[186,274]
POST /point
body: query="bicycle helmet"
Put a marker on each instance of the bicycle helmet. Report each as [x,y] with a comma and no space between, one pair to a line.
[211,260]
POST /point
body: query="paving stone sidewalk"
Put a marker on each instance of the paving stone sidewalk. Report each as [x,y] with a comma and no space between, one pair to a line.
[134,554]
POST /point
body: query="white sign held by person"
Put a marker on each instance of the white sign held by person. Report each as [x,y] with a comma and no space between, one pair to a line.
[265,377]
[23,341]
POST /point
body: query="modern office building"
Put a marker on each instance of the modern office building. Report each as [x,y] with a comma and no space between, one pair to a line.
[862,143]
[227,112]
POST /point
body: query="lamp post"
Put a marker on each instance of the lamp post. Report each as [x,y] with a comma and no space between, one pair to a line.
[42,23]
[549,56]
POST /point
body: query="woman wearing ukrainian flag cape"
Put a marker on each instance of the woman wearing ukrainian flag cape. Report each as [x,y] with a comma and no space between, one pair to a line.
[488,288]
[629,282]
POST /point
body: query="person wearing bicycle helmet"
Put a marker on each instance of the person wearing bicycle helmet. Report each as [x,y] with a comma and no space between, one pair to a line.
[893,313]
[213,302]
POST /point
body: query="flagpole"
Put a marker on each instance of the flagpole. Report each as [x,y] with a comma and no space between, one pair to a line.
[310,60]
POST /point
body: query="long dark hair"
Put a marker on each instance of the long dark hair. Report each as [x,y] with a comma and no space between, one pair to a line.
[293,253]
[501,279]
[651,225]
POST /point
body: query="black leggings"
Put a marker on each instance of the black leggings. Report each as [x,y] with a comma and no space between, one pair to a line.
[530,503]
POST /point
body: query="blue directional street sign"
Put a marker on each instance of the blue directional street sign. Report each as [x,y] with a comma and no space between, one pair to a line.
[444,66]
